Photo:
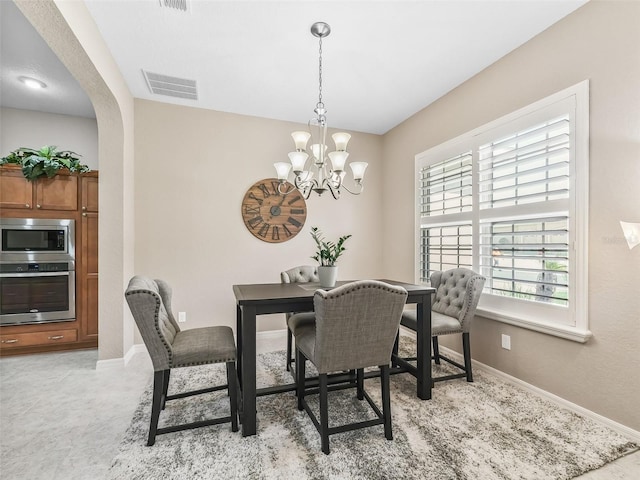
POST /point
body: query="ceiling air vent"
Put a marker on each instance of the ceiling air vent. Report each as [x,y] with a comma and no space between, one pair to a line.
[177,4]
[171,86]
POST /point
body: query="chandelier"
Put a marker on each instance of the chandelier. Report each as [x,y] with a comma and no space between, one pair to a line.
[328,166]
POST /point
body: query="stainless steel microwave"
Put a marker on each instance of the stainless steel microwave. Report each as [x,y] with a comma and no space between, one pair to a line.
[37,239]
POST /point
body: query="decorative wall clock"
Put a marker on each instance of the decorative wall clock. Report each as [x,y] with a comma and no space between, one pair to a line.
[271,216]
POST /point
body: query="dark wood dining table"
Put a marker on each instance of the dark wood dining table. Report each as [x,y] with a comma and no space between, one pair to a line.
[260,299]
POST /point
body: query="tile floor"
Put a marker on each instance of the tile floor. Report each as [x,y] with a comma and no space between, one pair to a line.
[60,418]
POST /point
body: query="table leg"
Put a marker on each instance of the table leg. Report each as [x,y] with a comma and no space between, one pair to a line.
[239,344]
[424,348]
[248,342]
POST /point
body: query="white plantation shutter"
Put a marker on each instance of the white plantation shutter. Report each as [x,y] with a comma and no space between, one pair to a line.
[526,174]
[509,200]
[446,186]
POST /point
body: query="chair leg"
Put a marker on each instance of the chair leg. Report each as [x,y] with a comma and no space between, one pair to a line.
[466,348]
[396,345]
[300,367]
[289,347]
[324,413]
[360,386]
[436,350]
[386,401]
[233,394]
[165,387]
[156,404]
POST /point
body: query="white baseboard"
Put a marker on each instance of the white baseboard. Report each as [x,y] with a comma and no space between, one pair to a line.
[111,363]
[623,430]
[136,348]
[271,335]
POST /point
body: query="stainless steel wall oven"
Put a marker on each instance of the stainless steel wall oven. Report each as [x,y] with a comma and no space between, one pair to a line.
[37,271]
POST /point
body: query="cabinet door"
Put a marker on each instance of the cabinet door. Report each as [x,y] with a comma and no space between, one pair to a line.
[57,193]
[89,196]
[15,190]
[89,276]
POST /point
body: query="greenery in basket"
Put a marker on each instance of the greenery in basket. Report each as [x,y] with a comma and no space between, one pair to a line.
[44,162]
[328,252]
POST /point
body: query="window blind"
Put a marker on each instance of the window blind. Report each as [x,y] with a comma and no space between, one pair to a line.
[445,187]
[529,166]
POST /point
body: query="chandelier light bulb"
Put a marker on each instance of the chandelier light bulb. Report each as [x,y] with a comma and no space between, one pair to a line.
[338,159]
[301,138]
[298,159]
[358,169]
[341,139]
[282,168]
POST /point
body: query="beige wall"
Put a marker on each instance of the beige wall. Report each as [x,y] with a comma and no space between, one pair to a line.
[599,42]
[27,128]
[193,167]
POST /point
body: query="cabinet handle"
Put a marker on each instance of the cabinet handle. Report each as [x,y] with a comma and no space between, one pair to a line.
[84,208]
[84,214]
[13,340]
[27,205]
[38,206]
[56,337]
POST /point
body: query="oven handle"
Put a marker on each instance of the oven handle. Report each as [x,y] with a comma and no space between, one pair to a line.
[34,274]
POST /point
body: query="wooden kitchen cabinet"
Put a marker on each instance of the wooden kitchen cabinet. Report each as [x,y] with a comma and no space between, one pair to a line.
[16,192]
[57,193]
[70,196]
[88,274]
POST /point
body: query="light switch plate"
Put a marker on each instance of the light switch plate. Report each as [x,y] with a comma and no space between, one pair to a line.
[506,342]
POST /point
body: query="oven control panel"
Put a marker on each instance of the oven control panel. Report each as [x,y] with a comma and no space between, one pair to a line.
[36,267]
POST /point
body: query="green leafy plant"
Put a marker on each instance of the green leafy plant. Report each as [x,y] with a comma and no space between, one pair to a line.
[44,162]
[328,252]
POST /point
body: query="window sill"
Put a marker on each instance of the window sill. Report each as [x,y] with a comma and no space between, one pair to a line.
[563,331]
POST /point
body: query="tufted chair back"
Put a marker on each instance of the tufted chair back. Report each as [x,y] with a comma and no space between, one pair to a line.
[150,304]
[356,325]
[301,274]
[457,294]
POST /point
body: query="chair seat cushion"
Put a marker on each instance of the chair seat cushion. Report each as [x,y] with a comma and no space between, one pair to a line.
[200,346]
[303,319]
[306,340]
[440,324]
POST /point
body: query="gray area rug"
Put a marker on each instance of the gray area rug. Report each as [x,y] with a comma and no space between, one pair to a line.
[485,430]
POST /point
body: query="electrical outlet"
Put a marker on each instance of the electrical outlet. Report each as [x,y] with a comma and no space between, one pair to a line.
[506,342]
[182,317]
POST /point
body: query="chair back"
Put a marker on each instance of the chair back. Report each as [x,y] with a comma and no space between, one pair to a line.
[150,304]
[301,274]
[457,294]
[356,325]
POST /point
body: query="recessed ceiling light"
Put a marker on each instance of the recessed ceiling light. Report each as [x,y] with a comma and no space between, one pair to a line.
[32,82]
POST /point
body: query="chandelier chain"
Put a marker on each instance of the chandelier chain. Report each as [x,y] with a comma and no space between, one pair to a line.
[320,104]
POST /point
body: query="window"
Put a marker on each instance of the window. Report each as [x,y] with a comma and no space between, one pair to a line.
[510,200]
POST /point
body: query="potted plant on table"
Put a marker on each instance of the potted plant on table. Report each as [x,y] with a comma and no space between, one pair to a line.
[44,162]
[326,255]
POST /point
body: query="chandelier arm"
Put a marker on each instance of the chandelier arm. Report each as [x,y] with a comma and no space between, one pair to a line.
[286,192]
[354,193]
[305,186]
[335,190]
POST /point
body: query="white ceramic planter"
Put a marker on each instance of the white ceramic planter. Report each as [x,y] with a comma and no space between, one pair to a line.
[328,276]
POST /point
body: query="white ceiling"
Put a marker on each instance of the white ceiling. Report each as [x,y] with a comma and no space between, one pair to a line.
[384,60]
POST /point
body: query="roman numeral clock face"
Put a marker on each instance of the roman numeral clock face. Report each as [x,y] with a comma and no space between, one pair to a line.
[271,216]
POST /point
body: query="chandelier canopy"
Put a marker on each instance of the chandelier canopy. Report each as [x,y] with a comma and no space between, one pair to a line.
[321,175]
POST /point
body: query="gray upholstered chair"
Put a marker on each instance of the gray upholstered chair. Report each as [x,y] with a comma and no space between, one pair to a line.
[355,327]
[301,274]
[453,307]
[169,347]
